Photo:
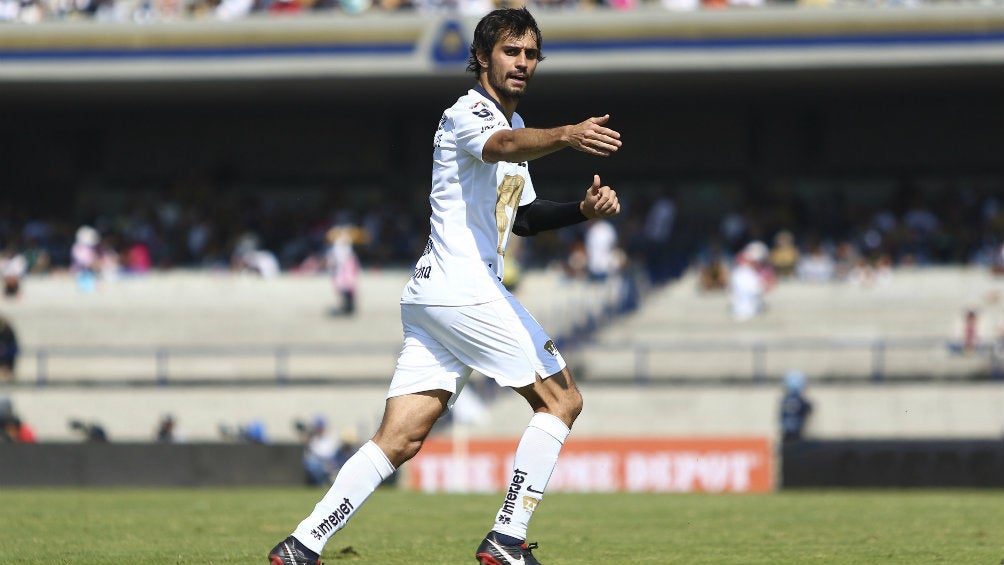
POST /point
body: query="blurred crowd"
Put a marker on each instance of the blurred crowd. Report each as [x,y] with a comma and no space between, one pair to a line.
[144,11]
[209,230]
[222,230]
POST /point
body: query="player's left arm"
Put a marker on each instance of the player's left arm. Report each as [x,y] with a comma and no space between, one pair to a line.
[542,215]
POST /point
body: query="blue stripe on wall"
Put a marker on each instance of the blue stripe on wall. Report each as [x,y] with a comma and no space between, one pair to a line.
[185,52]
[673,44]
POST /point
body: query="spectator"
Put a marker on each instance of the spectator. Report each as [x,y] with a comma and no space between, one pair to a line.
[971,338]
[784,255]
[602,258]
[997,261]
[657,230]
[253,432]
[13,267]
[165,430]
[15,431]
[343,264]
[8,351]
[713,270]
[92,432]
[37,256]
[968,340]
[749,281]
[319,452]
[576,261]
[249,257]
[228,10]
[816,266]
[795,407]
[137,258]
[109,265]
[323,455]
[845,260]
[84,254]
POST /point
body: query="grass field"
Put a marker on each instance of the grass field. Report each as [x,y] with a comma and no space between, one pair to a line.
[238,526]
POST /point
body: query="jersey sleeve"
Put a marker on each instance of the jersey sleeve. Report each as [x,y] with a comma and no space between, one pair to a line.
[474,124]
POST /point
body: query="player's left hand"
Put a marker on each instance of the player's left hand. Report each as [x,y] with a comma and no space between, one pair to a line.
[600,201]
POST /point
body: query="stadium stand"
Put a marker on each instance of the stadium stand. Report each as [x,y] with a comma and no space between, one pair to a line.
[909,326]
[214,347]
[225,329]
[191,325]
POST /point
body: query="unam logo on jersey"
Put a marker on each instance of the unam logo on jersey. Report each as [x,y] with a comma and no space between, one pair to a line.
[551,348]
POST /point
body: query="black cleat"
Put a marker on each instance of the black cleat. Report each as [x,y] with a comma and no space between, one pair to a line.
[493,552]
[286,553]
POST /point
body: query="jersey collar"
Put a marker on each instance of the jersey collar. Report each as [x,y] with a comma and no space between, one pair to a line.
[481,90]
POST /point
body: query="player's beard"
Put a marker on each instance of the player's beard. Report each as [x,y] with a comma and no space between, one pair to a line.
[498,80]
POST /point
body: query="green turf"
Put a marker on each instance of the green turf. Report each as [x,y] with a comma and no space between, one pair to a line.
[238,526]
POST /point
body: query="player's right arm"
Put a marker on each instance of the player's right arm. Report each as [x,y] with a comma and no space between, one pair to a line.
[526,144]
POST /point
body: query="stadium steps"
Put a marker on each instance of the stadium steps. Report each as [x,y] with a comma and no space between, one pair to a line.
[183,326]
[921,310]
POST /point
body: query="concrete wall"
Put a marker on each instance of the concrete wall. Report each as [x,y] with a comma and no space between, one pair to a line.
[900,464]
[141,465]
[841,412]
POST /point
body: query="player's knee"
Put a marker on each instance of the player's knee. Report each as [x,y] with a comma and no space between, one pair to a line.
[409,449]
[400,449]
[567,407]
[574,407]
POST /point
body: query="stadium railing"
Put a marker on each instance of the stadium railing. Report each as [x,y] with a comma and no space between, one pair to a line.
[639,363]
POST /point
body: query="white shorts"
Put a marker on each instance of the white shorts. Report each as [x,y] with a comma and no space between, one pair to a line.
[499,339]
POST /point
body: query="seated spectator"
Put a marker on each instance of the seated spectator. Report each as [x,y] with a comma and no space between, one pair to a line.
[816,266]
[997,262]
[85,258]
[602,255]
[713,271]
[784,255]
[15,431]
[92,432]
[8,351]
[13,268]
[845,260]
[137,258]
[749,281]
[165,430]
[319,452]
[253,432]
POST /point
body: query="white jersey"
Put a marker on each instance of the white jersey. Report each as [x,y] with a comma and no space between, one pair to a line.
[473,207]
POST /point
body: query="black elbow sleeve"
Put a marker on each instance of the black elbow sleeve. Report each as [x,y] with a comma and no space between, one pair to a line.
[542,215]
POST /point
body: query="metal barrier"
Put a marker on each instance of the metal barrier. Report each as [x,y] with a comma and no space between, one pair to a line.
[162,356]
[982,361]
[638,371]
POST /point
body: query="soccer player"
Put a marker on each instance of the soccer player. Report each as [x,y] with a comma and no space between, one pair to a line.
[456,314]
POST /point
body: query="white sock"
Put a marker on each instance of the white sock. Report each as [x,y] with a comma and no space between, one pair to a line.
[355,482]
[535,459]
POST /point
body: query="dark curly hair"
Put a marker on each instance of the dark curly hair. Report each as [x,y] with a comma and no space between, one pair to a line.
[498,24]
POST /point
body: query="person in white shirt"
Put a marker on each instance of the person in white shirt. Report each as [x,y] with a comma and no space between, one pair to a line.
[746,282]
[602,258]
[457,315]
